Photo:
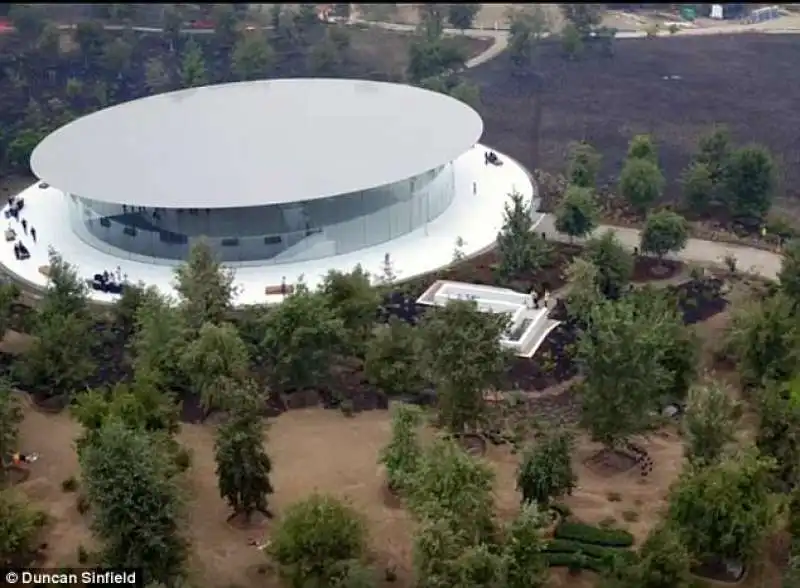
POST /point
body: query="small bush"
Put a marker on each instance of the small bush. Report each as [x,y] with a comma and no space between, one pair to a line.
[630,516]
[347,407]
[574,561]
[82,504]
[595,535]
[83,555]
[183,459]
[614,497]
[562,510]
[390,574]
[607,523]
[70,484]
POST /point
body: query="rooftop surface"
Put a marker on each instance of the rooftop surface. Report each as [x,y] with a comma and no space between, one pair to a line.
[256,143]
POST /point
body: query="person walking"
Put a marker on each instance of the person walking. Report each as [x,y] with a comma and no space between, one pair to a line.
[33,234]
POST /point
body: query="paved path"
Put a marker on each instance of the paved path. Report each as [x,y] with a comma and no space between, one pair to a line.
[749,259]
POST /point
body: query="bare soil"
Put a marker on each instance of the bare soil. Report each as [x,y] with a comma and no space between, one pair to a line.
[741,80]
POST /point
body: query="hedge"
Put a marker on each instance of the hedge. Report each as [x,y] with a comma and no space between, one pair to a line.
[574,560]
[567,546]
[594,535]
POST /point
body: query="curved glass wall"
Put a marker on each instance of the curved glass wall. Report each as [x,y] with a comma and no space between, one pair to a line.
[279,233]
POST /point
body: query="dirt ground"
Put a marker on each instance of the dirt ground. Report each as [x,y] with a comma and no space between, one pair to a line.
[673,88]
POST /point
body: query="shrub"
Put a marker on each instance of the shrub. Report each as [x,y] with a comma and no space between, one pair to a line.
[82,504]
[574,561]
[561,509]
[70,484]
[83,555]
[590,534]
[183,459]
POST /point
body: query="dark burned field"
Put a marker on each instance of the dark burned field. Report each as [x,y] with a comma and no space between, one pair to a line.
[747,81]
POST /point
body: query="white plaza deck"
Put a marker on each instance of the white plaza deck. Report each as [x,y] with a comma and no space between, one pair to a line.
[475,218]
[529,326]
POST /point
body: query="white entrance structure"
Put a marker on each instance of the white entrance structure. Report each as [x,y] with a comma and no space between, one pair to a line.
[528,326]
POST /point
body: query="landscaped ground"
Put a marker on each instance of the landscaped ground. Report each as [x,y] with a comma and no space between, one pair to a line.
[743,80]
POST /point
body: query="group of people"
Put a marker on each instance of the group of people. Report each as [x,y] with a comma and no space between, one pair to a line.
[490,157]
[110,282]
[535,298]
[13,211]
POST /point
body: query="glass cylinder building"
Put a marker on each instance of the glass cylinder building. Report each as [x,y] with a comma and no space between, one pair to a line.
[269,234]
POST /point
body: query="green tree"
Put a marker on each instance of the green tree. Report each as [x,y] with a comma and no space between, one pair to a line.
[314,538]
[583,291]
[662,562]
[243,467]
[60,359]
[778,433]
[710,423]
[546,469]
[641,183]
[19,529]
[623,353]
[698,187]
[584,17]
[789,276]
[643,147]
[401,455]
[300,338]
[723,511]
[158,341]
[91,39]
[433,57]
[157,78]
[578,212]
[749,182]
[463,358]
[214,360]
[9,294]
[121,467]
[664,232]
[583,165]
[524,561]
[252,56]
[117,56]
[467,93]
[394,357]
[354,299]
[10,418]
[572,42]
[614,263]
[193,66]
[461,16]
[450,485]
[527,27]
[431,20]
[521,250]
[206,287]
[713,151]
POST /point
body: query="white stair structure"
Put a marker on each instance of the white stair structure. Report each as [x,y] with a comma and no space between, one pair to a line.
[528,327]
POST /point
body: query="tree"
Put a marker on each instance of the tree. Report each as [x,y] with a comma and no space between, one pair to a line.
[662,562]
[29,20]
[91,39]
[193,66]
[577,214]
[641,183]
[135,506]
[521,250]
[572,41]
[401,455]
[584,17]
[19,527]
[214,360]
[698,187]
[466,92]
[643,147]
[431,20]
[450,485]
[10,418]
[583,292]
[664,232]
[749,182]
[546,469]
[158,341]
[324,57]
[778,433]
[205,286]
[583,165]
[393,359]
[433,57]
[243,467]
[461,16]
[723,511]
[356,302]
[314,538]
[117,57]
[614,263]
[623,353]
[709,424]
[251,57]
[157,77]
[527,27]
[9,294]
[789,276]
[714,149]
[60,359]
[463,358]
[523,550]
[300,338]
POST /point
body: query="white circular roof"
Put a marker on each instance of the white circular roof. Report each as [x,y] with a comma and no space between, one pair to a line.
[255,143]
